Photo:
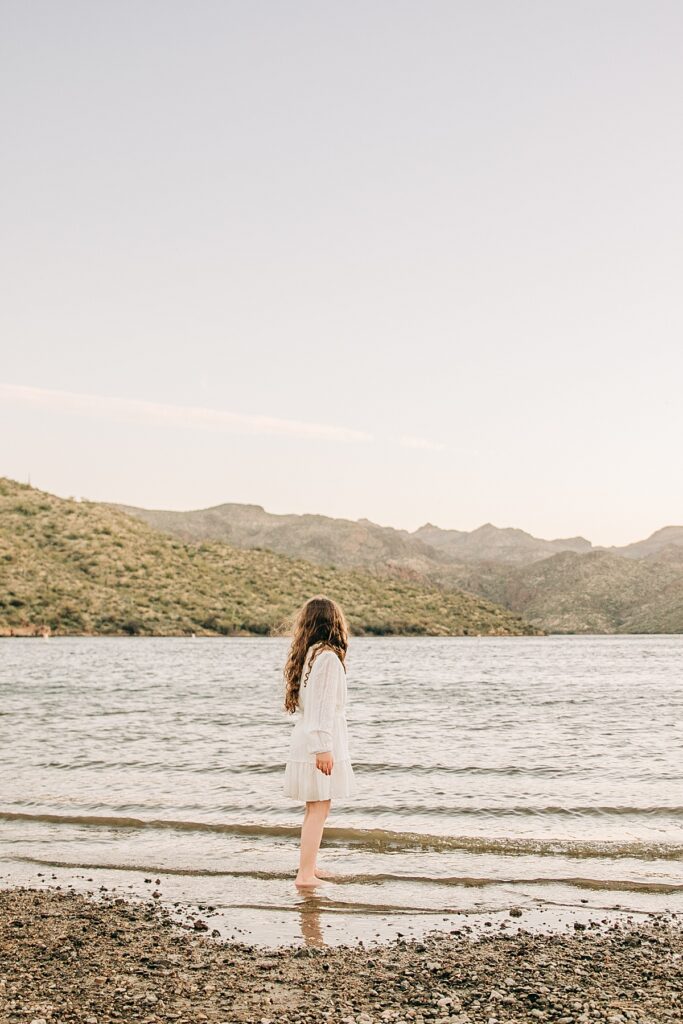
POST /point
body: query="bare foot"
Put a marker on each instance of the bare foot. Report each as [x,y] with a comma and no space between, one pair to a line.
[306,883]
[323,874]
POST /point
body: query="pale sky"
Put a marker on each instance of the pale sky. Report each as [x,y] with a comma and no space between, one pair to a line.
[409,261]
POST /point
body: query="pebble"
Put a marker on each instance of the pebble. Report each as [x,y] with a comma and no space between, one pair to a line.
[115,961]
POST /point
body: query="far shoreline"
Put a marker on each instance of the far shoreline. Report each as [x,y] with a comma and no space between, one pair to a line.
[21,635]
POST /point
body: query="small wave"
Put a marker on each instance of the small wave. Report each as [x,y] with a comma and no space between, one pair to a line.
[532,810]
[389,768]
[379,840]
[360,768]
[373,878]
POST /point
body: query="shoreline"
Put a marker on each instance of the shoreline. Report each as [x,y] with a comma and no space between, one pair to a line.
[324,917]
[262,906]
[68,957]
[36,633]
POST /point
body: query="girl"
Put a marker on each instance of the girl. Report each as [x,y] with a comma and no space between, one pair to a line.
[318,767]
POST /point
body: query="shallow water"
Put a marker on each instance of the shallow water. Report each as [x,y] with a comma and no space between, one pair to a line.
[492,771]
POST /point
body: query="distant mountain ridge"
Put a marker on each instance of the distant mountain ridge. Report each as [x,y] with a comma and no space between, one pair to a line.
[493,543]
[561,585]
[365,542]
[660,540]
[317,538]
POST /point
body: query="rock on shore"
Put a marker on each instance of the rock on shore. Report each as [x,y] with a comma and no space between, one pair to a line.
[67,958]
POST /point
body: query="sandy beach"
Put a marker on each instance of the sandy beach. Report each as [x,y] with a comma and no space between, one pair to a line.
[71,957]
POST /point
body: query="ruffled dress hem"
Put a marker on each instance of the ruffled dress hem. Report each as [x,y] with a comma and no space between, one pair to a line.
[303,781]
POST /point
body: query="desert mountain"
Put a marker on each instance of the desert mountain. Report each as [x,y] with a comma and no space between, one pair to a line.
[658,543]
[347,542]
[316,538]
[78,567]
[331,541]
[597,592]
[491,543]
[561,585]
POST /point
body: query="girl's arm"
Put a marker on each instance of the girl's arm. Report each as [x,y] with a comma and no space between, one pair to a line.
[321,700]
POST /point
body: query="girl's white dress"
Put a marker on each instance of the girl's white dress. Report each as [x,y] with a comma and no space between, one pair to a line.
[320,726]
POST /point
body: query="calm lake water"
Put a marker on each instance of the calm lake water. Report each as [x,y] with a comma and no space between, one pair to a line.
[536,772]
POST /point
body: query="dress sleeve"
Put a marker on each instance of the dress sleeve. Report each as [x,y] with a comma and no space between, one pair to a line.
[321,700]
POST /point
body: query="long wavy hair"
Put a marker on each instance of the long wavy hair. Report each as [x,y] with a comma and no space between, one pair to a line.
[319,621]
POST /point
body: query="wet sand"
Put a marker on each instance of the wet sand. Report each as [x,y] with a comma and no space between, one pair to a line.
[99,958]
[256,908]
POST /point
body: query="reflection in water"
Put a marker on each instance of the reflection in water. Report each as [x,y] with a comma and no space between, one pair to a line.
[311,919]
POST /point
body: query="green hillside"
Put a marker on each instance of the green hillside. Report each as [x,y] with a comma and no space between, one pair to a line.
[83,568]
[596,592]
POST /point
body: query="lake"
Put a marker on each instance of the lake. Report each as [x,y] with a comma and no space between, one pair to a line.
[540,773]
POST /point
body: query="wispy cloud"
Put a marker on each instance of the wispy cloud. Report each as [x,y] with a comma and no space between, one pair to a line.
[178,415]
[421,442]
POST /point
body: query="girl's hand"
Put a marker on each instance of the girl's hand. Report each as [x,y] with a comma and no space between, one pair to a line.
[324,762]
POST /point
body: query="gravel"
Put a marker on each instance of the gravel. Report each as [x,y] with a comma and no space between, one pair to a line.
[67,957]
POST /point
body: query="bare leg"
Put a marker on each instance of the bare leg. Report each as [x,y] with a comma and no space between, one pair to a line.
[311,835]
[319,873]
